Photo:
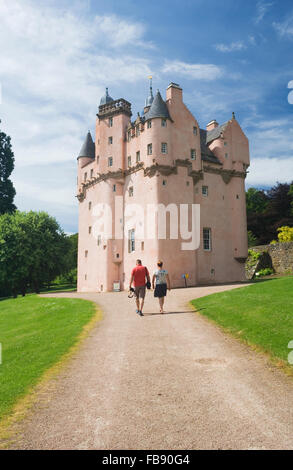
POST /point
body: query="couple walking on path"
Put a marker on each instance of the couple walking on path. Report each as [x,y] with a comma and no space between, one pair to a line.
[140,278]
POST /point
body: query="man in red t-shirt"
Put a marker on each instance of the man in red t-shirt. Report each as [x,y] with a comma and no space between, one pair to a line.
[139,274]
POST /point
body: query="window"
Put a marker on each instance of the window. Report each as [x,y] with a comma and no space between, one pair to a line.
[90,206]
[110,140]
[85,253]
[137,131]
[110,122]
[164,183]
[110,161]
[226,155]
[130,191]
[195,130]
[92,173]
[205,191]
[114,188]
[129,160]
[85,277]
[187,183]
[225,143]
[149,125]
[237,196]
[99,241]
[128,136]
[131,241]
[90,230]
[150,149]
[85,177]
[142,246]
[192,154]
[164,123]
[137,157]
[98,158]
[164,148]
[207,239]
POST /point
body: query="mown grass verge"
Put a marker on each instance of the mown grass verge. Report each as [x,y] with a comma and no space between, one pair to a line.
[260,314]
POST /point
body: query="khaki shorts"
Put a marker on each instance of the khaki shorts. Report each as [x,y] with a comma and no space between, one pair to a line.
[139,292]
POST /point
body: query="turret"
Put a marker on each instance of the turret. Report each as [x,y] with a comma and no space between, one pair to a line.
[87,151]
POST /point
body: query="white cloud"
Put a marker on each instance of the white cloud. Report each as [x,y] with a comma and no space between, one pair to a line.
[269,171]
[261,10]
[234,46]
[285,29]
[193,71]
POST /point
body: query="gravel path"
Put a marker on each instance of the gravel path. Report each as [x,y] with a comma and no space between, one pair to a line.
[172,381]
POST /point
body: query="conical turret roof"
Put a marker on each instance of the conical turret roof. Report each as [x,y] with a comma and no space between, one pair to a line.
[158,108]
[88,148]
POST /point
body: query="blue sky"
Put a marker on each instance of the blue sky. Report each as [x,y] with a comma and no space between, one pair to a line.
[57,57]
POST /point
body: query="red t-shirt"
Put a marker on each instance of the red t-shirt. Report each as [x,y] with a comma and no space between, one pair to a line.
[139,274]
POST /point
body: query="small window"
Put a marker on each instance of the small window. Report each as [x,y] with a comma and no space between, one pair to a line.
[117,255]
[114,188]
[90,205]
[195,130]
[207,245]
[150,149]
[226,155]
[137,131]
[92,173]
[130,191]
[164,123]
[225,143]
[129,161]
[149,125]
[237,196]
[85,253]
[192,154]
[205,191]
[90,230]
[164,183]
[98,158]
[187,183]
[131,241]
[110,122]
[110,140]
[137,157]
[129,136]
[110,161]
[85,277]
[142,246]
[99,241]
[164,148]
[85,177]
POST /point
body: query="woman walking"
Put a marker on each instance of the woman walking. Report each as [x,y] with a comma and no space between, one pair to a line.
[160,282]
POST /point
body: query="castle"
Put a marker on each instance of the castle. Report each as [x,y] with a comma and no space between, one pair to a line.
[162,158]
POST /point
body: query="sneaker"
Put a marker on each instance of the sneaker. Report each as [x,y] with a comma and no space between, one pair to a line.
[137,311]
[140,313]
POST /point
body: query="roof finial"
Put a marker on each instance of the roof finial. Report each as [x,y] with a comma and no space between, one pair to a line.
[150,98]
[233,115]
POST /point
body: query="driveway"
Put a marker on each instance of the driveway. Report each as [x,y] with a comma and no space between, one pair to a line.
[172,381]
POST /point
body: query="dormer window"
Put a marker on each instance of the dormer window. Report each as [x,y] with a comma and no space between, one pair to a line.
[149,125]
[164,123]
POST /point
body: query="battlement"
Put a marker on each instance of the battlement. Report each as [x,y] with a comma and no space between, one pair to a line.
[114,107]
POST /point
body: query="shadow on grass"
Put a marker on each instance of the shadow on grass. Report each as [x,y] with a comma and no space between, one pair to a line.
[167,313]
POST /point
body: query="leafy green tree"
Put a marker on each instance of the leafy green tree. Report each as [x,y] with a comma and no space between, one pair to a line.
[285,234]
[33,250]
[256,201]
[252,240]
[7,191]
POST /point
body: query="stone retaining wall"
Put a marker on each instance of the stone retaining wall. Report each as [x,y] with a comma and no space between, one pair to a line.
[281,255]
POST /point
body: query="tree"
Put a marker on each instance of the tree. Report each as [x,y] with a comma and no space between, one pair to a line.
[7,191]
[33,250]
[256,201]
[285,234]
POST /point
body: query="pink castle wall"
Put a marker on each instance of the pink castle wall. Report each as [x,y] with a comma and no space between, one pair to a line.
[223,210]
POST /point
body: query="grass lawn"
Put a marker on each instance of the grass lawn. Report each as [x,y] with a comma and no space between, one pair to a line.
[35,332]
[261,314]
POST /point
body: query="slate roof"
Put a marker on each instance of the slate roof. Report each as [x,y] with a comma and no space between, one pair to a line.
[106,98]
[88,148]
[158,108]
[215,133]
[206,154]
